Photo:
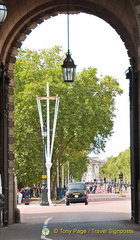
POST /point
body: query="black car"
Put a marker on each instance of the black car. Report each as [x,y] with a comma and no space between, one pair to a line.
[76,193]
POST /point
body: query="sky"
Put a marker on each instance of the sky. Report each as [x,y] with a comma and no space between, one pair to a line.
[93,42]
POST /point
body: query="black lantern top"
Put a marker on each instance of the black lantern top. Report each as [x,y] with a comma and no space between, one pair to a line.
[69,68]
[3,11]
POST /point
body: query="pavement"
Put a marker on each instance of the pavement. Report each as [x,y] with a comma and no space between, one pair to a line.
[127,229]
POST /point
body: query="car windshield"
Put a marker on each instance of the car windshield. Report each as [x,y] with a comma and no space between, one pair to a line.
[76,187]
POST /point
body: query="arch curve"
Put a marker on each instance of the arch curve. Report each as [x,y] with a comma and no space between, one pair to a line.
[24,15]
[116,13]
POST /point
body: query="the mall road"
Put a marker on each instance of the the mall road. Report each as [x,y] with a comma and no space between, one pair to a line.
[107,216]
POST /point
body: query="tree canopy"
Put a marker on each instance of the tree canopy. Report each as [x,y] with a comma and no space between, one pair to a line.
[114,165]
[85,118]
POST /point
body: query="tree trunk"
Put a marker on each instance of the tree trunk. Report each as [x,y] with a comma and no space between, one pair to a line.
[53,190]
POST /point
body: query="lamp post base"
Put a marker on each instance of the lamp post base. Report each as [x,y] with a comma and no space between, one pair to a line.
[44,194]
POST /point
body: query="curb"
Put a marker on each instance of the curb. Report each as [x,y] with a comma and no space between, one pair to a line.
[37,201]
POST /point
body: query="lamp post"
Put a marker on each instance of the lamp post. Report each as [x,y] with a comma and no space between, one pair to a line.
[68,67]
[58,183]
[44,189]
[4,81]
[49,138]
[63,189]
[3,11]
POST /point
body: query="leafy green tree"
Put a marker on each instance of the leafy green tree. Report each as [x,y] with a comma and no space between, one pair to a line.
[114,165]
[85,118]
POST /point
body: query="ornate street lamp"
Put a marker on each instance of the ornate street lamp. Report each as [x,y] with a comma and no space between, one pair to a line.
[44,189]
[3,11]
[68,67]
[48,141]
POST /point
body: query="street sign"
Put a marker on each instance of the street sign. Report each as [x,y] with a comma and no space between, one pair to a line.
[44,176]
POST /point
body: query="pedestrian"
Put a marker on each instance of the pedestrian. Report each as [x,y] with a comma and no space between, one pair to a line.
[31,192]
[19,197]
[27,195]
[125,186]
[27,192]
[91,188]
[37,192]
[110,189]
[22,192]
[94,189]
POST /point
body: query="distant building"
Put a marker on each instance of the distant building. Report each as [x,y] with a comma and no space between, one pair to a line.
[92,172]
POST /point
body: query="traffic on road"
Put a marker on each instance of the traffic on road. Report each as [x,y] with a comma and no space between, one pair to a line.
[107,216]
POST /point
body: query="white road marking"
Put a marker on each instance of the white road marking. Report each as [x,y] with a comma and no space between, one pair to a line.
[45,225]
[47,220]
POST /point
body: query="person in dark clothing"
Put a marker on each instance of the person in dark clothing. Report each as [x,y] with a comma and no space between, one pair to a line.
[27,195]
[94,189]
[27,192]
[90,189]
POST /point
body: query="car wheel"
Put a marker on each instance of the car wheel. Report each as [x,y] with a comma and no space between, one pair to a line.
[86,203]
[67,203]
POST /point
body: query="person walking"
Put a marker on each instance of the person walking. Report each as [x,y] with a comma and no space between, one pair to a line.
[27,196]
[19,197]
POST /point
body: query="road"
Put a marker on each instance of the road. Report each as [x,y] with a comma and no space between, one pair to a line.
[107,216]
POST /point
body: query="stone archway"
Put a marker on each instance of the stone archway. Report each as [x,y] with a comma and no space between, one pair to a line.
[23,16]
